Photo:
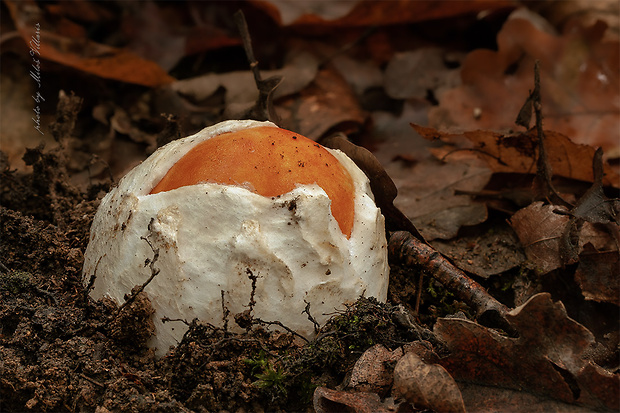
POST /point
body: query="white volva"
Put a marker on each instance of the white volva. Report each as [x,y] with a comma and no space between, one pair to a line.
[211,237]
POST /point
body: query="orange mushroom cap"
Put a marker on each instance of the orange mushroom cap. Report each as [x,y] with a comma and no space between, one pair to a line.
[270,162]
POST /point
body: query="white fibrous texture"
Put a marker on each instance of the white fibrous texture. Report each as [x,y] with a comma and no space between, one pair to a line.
[214,239]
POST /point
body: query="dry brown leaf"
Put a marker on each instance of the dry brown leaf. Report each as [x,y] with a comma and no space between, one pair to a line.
[327,104]
[426,195]
[546,360]
[241,91]
[491,399]
[426,385]
[412,74]
[82,54]
[579,84]
[334,401]
[540,228]
[370,372]
[518,152]
[158,32]
[597,275]
[492,252]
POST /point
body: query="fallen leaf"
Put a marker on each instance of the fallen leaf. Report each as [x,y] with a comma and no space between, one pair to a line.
[327,104]
[83,54]
[80,10]
[426,385]
[597,275]
[335,401]
[158,32]
[491,399]
[414,73]
[371,373]
[540,229]
[489,253]
[427,196]
[579,84]
[360,75]
[240,87]
[594,206]
[546,360]
[564,13]
[517,153]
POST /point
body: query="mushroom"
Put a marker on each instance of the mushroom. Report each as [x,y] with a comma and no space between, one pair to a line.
[243,211]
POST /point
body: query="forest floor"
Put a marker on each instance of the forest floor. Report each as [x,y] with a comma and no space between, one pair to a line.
[519,311]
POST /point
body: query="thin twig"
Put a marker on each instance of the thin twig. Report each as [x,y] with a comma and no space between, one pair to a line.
[263,108]
[278,323]
[154,272]
[544,173]
[317,326]
[169,320]
[91,281]
[93,381]
[225,312]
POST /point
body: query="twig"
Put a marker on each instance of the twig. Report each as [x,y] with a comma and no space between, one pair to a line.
[544,173]
[278,323]
[154,272]
[317,326]
[412,252]
[93,381]
[252,278]
[169,320]
[263,108]
[593,207]
[3,269]
[225,312]
[91,281]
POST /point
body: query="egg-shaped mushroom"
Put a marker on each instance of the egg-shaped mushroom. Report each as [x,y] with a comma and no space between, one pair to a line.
[241,211]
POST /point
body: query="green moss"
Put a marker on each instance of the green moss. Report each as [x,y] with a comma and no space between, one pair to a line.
[15,282]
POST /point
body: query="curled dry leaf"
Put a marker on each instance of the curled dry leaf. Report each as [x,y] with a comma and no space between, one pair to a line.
[540,229]
[371,373]
[426,385]
[518,152]
[334,401]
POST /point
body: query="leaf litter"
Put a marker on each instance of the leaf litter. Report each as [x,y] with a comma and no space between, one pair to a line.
[518,305]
